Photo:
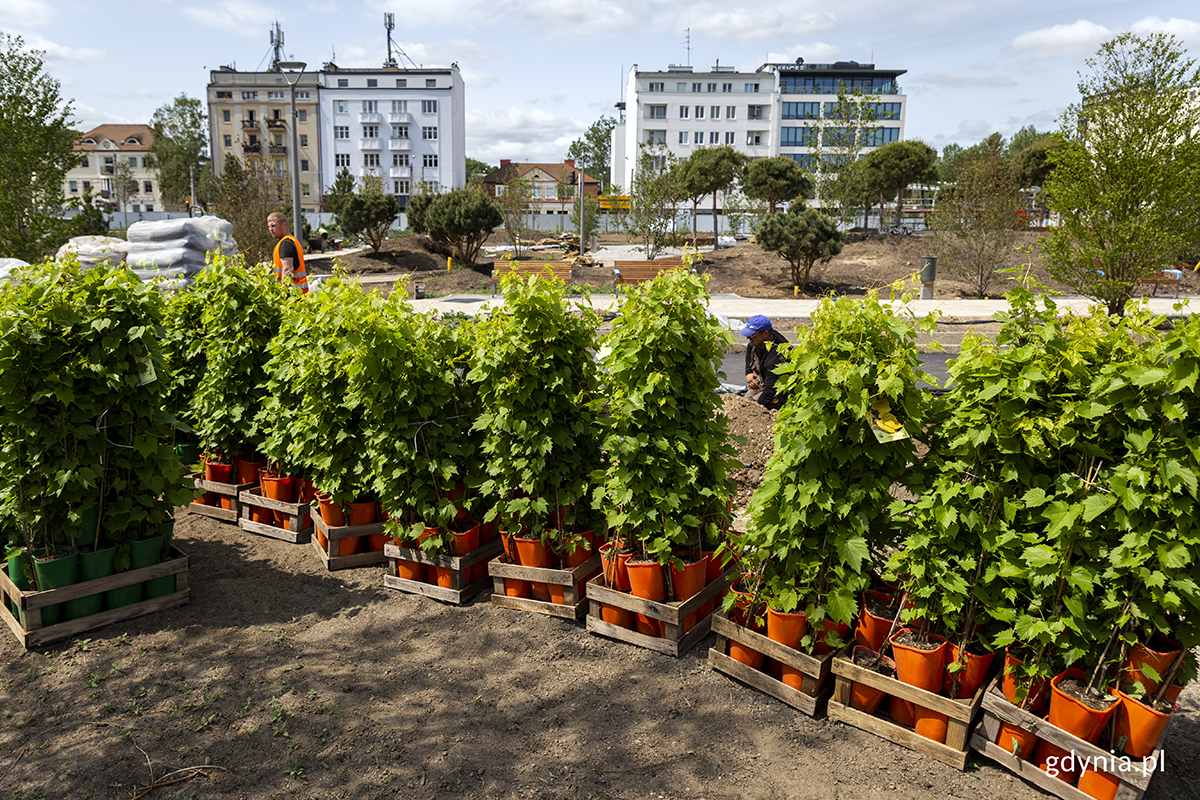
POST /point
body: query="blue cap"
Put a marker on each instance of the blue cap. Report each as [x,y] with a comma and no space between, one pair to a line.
[755,324]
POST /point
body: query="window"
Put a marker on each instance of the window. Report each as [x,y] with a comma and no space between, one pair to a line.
[683,137]
[143,162]
[274,95]
[652,112]
[697,86]
[726,87]
[85,162]
[714,112]
[712,87]
[429,160]
[226,116]
[500,190]
[370,131]
[797,137]
[224,95]
[304,140]
[429,106]
[304,165]
[656,87]
[429,134]
[656,136]
[302,115]
[228,140]
[838,137]
[399,106]
[430,83]
[730,112]
[301,95]
[751,87]
[800,110]
[149,207]
[304,190]
[754,138]
[699,112]
[276,113]
[401,83]
[74,186]
[370,106]
[341,106]
[714,137]
[341,159]
[878,137]
[133,161]
[253,138]
[148,187]
[753,112]
[399,159]
[278,140]
[683,112]
[87,186]
[343,83]
[341,131]
[400,187]
[681,86]
[399,131]
[372,83]
[370,159]
[249,95]
[698,138]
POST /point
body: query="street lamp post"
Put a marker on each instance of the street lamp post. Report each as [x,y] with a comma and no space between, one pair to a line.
[296,68]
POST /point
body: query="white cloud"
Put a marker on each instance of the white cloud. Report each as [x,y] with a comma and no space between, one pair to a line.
[1185,29]
[239,17]
[1079,39]
[815,53]
[520,134]
[27,12]
[546,17]
[956,80]
[758,23]
[60,53]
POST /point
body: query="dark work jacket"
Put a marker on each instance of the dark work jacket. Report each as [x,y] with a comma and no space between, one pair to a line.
[768,361]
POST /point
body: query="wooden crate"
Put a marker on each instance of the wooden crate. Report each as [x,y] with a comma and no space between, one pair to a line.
[997,709]
[573,580]
[676,642]
[33,634]
[332,559]
[961,713]
[460,566]
[230,490]
[295,512]
[813,696]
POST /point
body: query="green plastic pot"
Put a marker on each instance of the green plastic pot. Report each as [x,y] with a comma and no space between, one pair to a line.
[55,573]
[18,575]
[93,564]
[189,455]
[89,519]
[160,587]
[143,553]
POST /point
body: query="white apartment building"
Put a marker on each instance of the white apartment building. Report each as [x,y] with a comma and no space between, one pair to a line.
[103,150]
[405,125]
[779,109]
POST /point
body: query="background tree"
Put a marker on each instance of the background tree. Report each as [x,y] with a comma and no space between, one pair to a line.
[950,154]
[897,165]
[179,150]
[370,212]
[705,173]
[516,206]
[593,152]
[591,216]
[855,126]
[246,193]
[124,184]
[776,179]
[476,170]
[803,236]
[743,213]
[341,190]
[38,151]
[463,218]
[1126,180]
[976,215]
[651,215]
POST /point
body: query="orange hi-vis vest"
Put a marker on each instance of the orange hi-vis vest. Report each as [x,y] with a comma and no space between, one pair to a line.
[299,275]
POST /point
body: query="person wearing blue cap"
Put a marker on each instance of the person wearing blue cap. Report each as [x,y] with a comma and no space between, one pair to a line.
[763,355]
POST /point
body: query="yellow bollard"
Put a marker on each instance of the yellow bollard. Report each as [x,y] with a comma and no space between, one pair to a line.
[449,259]
[795,291]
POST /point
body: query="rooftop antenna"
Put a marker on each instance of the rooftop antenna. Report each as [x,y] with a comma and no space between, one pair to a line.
[687,43]
[389,22]
[276,46]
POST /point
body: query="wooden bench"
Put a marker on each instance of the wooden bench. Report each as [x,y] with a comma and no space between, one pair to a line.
[1168,277]
[561,270]
[629,272]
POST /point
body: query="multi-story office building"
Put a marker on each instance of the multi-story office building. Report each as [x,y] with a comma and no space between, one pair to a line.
[779,109]
[107,151]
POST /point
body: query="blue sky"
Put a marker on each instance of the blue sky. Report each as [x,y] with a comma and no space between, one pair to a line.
[539,72]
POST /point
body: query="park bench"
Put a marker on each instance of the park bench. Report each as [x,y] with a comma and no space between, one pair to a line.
[560,269]
[1167,277]
[630,272]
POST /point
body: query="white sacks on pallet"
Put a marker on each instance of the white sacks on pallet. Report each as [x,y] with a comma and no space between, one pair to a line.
[105,251]
[9,265]
[171,252]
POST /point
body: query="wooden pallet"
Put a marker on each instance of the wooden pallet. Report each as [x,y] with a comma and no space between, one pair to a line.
[997,709]
[573,580]
[332,559]
[459,591]
[816,688]
[253,498]
[32,634]
[961,713]
[676,642]
[230,490]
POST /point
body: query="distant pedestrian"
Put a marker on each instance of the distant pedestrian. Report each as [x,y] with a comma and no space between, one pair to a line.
[289,256]
[763,355]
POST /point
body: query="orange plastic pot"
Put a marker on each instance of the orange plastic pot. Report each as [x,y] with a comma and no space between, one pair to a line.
[787,629]
[711,572]
[1037,696]
[930,724]
[1140,726]
[646,581]
[687,583]
[1016,740]
[218,472]
[1055,761]
[966,681]
[410,570]
[616,571]
[923,669]
[247,471]
[331,512]
[828,626]
[264,515]
[1073,716]
[862,697]
[1100,785]
[582,553]
[617,616]
[281,489]
[513,587]
[872,631]
[902,712]
[1160,661]
[532,553]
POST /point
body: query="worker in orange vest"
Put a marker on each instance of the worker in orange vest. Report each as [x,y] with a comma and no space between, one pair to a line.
[288,258]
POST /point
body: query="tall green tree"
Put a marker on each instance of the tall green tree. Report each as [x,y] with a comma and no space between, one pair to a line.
[803,236]
[124,184]
[246,193]
[776,179]
[593,152]
[38,151]
[476,170]
[897,165]
[339,192]
[1126,180]
[652,198]
[850,127]
[706,172]
[179,150]
[369,213]
[463,218]
[516,205]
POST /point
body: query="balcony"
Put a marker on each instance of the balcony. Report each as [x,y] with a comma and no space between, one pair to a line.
[276,122]
[370,118]
[400,144]
[250,122]
[252,148]
[399,172]
[375,171]
[400,118]
[370,144]
[277,150]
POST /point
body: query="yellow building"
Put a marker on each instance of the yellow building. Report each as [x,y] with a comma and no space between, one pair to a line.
[106,150]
